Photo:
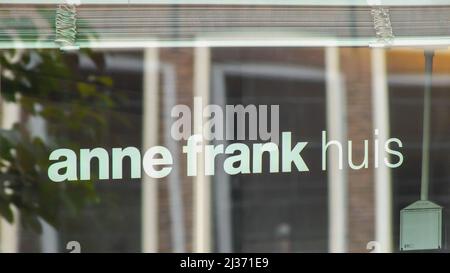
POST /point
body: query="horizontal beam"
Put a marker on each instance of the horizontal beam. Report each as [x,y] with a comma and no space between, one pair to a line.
[113,26]
[244,2]
[237,42]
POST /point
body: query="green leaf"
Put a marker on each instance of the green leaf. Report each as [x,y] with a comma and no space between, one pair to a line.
[6,211]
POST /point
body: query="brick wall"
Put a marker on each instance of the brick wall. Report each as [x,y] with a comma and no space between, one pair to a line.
[355,66]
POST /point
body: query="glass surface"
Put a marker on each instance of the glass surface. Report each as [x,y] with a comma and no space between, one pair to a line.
[94,151]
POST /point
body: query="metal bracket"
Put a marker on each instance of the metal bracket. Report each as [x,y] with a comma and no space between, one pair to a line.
[382,26]
[66,26]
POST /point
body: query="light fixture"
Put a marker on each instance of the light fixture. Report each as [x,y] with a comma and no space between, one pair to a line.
[421,222]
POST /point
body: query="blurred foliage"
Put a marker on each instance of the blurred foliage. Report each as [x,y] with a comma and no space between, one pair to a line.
[48,85]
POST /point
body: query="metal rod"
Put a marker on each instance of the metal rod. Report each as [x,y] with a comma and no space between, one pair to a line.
[429,54]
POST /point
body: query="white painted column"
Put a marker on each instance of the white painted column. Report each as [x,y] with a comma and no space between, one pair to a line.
[202,184]
[149,139]
[383,187]
[174,179]
[336,130]
[49,236]
[9,233]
